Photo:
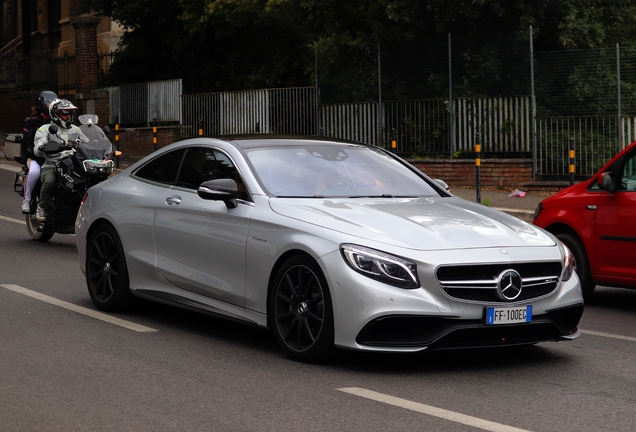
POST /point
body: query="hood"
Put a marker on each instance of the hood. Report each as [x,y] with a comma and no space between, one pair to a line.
[426,224]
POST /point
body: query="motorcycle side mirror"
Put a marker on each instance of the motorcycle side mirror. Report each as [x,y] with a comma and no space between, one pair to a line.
[106,130]
[53,129]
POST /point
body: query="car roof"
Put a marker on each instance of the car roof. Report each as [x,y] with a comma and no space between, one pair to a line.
[277,140]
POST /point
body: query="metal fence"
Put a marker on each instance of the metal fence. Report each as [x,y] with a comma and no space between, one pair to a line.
[145,103]
[288,111]
[38,71]
[596,141]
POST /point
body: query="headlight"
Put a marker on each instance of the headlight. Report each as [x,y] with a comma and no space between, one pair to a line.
[381,266]
[568,263]
[94,166]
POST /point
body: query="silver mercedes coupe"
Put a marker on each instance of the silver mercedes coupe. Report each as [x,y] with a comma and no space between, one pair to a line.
[329,244]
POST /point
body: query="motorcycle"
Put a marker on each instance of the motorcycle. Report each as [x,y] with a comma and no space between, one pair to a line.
[84,165]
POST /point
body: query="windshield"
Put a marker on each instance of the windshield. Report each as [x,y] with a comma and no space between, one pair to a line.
[335,171]
[98,145]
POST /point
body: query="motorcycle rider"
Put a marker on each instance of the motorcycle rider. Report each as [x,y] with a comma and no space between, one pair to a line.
[28,158]
[61,113]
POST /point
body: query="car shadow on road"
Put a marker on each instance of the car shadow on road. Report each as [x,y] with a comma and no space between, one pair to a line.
[613,298]
[456,360]
[220,334]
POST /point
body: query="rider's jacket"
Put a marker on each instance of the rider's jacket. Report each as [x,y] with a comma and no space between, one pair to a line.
[30,127]
[68,135]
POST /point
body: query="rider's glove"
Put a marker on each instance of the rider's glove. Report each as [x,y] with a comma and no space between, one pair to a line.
[65,153]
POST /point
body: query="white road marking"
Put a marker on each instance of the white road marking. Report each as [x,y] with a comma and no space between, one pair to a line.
[608,335]
[79,309]
[430,410]
[23,222]
[10,167]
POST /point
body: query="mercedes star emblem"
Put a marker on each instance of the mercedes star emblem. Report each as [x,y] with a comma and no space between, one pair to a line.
[509,285]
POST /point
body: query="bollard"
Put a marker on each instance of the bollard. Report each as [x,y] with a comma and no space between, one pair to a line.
[393,141]
[154,134]
[571,161]
[478,167]
[258,127]
[201,127]
[117,142]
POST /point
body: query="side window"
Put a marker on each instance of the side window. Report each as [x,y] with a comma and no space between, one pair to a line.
[199,165]
[628,180]
[225,169]
[163,169]
[203,164]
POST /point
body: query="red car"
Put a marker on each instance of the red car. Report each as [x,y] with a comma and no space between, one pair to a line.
[596,219]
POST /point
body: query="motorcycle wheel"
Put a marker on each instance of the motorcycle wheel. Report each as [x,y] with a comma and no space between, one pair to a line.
[106,271]
[37,230]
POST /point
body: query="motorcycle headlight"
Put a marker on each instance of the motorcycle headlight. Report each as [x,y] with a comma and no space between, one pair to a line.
[93,166]
[568,264]
[381,266]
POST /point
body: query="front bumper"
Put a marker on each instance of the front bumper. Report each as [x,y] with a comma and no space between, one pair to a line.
[443,333]
[372,316]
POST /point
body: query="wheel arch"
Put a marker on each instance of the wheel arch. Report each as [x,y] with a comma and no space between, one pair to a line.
[276,267]
[96,223]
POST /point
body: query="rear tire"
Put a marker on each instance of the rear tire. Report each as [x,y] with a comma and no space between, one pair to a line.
[106,271]
[581,263]
[300,311]
[39,231]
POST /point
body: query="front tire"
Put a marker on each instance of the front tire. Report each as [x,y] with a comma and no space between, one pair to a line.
[300,310]
[581,263]
[38,231]
[106,271]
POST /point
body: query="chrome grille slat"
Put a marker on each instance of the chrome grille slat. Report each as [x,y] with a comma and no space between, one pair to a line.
[478,282]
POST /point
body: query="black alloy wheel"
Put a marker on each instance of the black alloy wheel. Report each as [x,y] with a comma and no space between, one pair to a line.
[106,270]
[301,314]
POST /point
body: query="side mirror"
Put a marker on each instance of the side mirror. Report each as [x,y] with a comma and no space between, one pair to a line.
[607,182]
[224,190]
[442,183]
[106,130]
[53,129]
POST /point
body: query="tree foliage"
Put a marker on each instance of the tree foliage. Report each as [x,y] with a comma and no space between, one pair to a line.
[222,45]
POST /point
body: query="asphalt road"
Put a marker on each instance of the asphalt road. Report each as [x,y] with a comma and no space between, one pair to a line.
[66,367]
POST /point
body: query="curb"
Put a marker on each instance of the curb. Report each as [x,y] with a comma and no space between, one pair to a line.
[525,215]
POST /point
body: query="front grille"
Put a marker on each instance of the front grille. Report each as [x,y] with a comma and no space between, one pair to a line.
[478,283]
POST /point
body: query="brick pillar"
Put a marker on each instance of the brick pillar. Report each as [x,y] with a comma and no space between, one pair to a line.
[86,61]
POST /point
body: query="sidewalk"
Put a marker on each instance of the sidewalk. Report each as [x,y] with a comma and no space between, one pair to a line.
[523,208]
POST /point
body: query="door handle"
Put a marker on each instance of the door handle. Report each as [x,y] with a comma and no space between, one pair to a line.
[173,200]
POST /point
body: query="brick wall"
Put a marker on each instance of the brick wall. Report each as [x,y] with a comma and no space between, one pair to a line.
[495,173]
[86,60]
[135,143]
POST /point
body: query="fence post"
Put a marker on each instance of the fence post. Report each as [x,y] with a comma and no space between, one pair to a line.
[478,167]
[571,161]
[116,142]
[201,127]
[154,134]
[393,141]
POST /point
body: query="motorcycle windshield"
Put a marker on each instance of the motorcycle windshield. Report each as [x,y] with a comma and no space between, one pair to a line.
[98,145]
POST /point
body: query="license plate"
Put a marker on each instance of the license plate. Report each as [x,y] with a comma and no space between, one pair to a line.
[508,315]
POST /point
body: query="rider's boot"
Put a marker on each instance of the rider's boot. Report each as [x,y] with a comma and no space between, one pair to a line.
[40,214]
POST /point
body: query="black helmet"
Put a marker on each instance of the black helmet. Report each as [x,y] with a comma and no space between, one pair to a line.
[62,108]
[43,100]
